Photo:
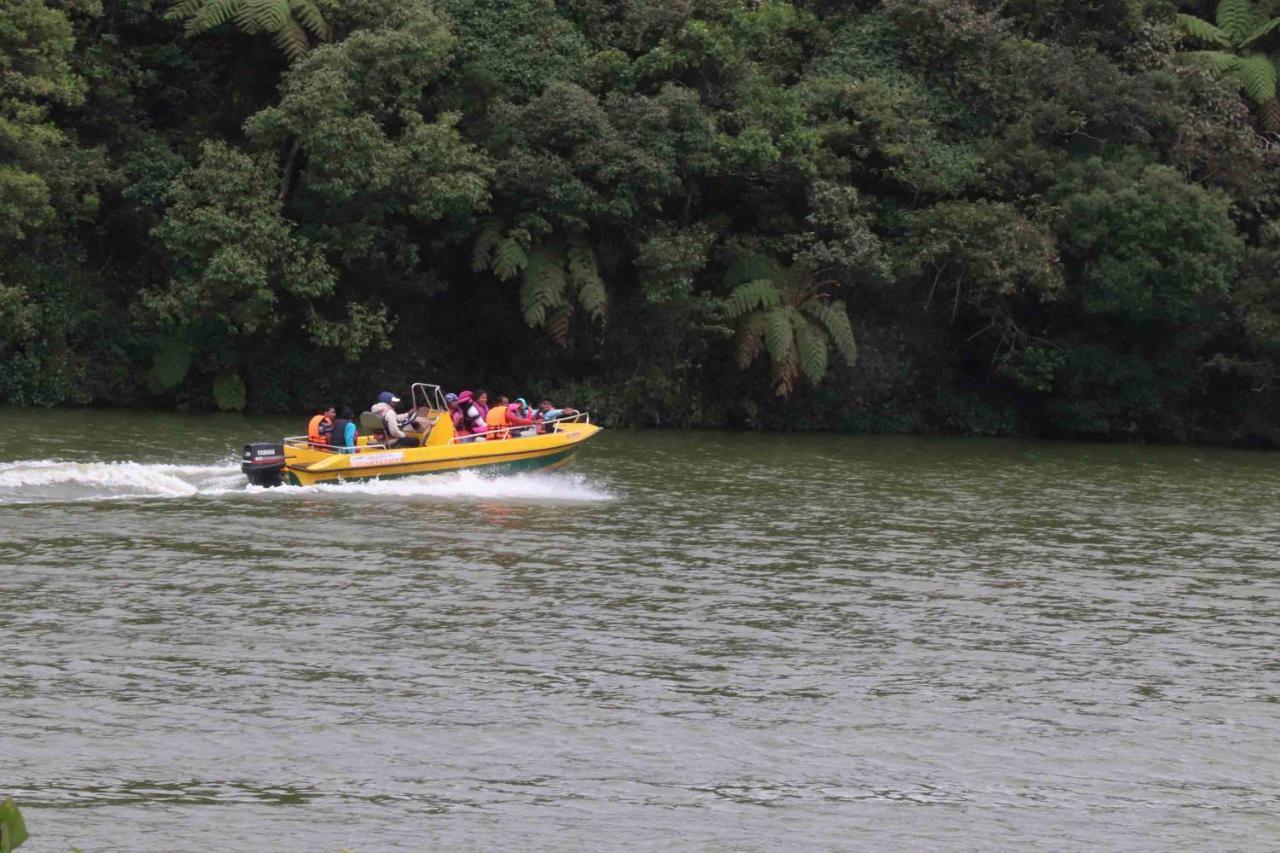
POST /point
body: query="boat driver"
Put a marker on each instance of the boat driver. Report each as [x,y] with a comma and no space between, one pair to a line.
[391,422]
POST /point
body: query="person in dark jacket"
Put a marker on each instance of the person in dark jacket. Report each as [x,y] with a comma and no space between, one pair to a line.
[344,432]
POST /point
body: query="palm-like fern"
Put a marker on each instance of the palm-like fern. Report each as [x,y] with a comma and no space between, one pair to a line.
[554,273]
[290,23]
[780,311]
[1241,27]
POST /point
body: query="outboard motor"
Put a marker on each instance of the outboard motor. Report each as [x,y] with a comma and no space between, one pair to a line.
[262,464]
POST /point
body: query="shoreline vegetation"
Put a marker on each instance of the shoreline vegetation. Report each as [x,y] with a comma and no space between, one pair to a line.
[909,216]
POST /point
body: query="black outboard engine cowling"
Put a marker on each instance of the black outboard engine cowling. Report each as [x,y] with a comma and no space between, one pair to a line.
[263,464]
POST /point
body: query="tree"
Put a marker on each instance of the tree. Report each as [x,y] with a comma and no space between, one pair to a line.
[780,311]
[1241,26]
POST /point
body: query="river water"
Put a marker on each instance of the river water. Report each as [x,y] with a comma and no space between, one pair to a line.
[683,640]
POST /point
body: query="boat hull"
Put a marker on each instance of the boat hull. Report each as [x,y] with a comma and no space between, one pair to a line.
[306,467]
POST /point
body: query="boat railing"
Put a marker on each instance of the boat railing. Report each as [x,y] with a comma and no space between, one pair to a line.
[304,441]
[506,432]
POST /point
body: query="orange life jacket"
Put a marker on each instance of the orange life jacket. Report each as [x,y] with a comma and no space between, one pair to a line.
[497,419]
[313,430]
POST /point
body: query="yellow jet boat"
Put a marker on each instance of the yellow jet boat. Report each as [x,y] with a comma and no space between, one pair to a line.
[299,462]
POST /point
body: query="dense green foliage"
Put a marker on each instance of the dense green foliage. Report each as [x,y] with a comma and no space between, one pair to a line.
[1043,218]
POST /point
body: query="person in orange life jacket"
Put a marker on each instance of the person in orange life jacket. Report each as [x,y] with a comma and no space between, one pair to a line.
[344,432]
[496,418]
[385,409]
[320,427]
[472,421]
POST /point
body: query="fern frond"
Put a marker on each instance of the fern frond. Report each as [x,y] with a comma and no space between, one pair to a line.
[544,285]
[779,337]
[594,299]
[1203,30]
[509,258]
[211,15]
[292,40]
[306,13]
[557,325]
[1219,61]
[750,267]
[486,241]
[785,373]
[832,317]
[811,344]
[584,276]
[1261,32]
[760,293]
[749,340]
[1269,115]
[1257,74]
[183,9]
[1237,18]
[532,223]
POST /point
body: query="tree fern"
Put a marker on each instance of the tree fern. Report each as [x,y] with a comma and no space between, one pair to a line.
[544,285]
[787,317]
[287,21]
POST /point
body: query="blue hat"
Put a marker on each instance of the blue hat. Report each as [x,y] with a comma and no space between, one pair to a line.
[451,398]
[388,397]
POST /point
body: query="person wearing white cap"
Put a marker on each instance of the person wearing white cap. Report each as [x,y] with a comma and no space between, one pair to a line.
[386,410]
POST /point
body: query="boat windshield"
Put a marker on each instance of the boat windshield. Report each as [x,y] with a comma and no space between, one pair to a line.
[426,396]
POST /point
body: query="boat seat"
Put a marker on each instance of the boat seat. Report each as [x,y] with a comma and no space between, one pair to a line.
[370,423]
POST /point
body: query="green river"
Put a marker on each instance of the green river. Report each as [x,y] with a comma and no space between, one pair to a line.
[681,641]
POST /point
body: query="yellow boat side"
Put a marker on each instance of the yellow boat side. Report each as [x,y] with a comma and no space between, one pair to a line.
[305,466]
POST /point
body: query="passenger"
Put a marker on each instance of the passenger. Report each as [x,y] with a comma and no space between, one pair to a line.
[548,412]
[496,418]
[472,422]
[525,411]
[451,400]
[482,402]
[320,427]
[344,432]
[386,410]
[518,424]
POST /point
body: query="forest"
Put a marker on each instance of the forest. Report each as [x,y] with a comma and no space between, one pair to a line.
[1050,218]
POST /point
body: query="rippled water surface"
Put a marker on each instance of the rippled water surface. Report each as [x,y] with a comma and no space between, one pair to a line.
[709,641]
